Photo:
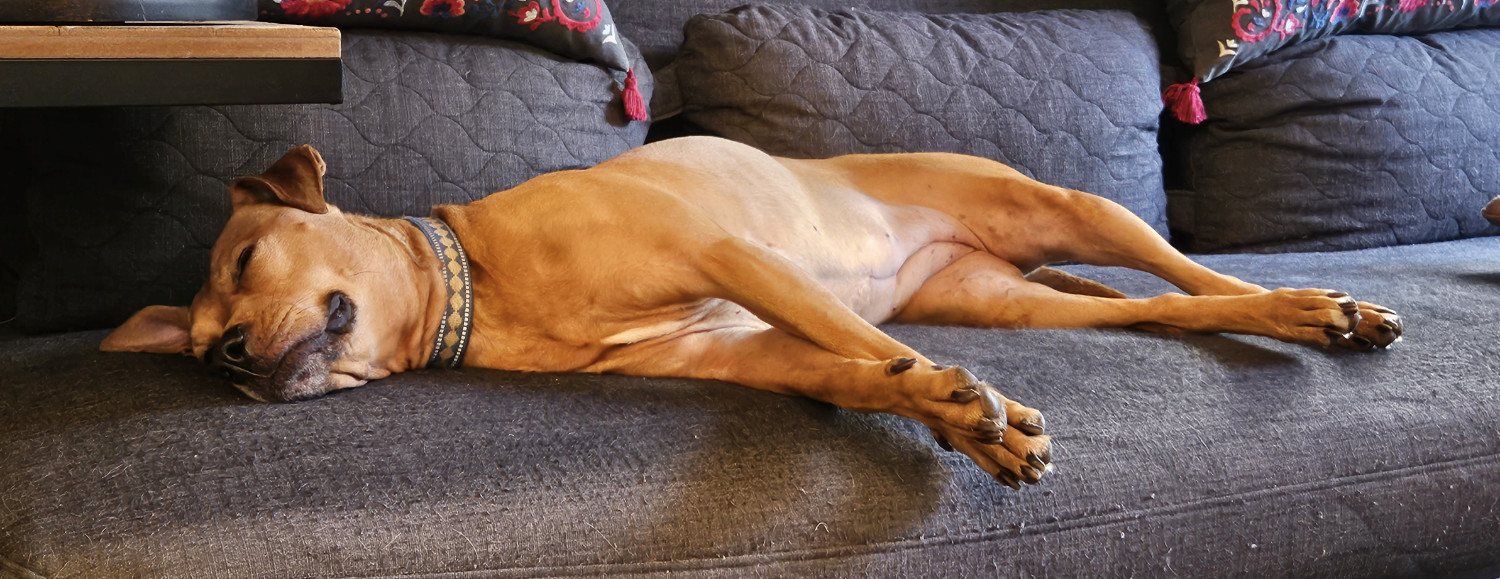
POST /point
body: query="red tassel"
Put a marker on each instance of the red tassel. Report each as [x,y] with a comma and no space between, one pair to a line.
[635,107]
[1185,101]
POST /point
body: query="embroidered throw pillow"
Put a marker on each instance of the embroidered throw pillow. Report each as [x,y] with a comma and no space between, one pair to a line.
[579,29]
[1214,36]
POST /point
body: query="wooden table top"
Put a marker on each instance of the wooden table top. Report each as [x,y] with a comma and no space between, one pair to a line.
[169,63]
[169,40]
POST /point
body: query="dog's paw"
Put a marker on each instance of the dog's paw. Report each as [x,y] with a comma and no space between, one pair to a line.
[1313,317]
[1378,328]
[966,415]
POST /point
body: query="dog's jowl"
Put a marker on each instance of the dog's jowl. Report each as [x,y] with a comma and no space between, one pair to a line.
[702,258]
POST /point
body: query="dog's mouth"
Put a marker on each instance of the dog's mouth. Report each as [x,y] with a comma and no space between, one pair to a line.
[302,372]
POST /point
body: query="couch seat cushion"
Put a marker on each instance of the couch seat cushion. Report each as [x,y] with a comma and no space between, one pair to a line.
[1196,456]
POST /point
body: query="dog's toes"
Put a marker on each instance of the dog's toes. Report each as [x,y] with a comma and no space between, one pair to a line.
[1348,341]
[1377,328]
[1380,327]
[965,415]
[1028,420]
[1018,459]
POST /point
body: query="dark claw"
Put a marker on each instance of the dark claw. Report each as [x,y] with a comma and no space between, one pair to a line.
[991,436]
[900,365]
[942,441]
[1035,461]
[1033,427]
[990,431]
[991,405]
[1008,479]
[1031,475]
[964,395]
[1337,295]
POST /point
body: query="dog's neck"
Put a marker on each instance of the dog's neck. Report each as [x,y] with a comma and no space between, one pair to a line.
[414,332]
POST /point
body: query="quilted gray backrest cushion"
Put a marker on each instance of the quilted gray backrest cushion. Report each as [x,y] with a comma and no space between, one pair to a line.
[1067,97]
[126,202]
[656,25]
[1347,143]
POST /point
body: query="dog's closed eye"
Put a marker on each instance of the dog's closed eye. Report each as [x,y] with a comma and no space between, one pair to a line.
[244,260]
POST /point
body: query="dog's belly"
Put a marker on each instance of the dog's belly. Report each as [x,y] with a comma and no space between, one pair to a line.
[876,298]
[873,256]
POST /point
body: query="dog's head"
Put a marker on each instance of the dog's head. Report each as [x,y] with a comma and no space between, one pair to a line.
[301,299]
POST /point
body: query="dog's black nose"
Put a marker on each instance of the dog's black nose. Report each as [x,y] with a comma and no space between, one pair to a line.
[232,346]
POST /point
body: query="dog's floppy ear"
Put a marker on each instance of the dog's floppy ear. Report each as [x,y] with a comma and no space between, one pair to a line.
[296,180]
[156,329]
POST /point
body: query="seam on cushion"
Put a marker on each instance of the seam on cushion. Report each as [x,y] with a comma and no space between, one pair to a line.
[745,560]
[26,573]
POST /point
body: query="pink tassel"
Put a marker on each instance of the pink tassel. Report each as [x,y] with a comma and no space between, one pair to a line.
[635,107]
[1185,101]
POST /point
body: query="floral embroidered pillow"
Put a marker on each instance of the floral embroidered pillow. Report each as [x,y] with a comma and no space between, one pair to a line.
[1214,36]
[580,29]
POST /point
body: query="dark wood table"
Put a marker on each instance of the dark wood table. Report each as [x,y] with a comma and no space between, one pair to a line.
[168,63]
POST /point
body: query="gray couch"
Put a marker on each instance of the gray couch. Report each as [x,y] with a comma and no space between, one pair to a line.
[1192,455]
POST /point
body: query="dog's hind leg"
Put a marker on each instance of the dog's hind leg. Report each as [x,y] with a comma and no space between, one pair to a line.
[1003,437]
[1094,230]
[982,290]
[1068,283]
[1031,224]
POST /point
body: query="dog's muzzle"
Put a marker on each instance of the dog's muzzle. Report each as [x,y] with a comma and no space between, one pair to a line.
[299,373]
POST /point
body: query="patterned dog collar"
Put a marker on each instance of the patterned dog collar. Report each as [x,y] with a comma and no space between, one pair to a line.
[458,317]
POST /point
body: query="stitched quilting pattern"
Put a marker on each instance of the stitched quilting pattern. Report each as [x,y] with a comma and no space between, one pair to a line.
[126,202]
[1346,143]
[1068,97]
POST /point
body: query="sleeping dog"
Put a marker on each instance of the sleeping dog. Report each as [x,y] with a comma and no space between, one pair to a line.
[702,258]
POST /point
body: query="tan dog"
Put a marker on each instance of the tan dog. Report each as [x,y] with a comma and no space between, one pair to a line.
[702,258]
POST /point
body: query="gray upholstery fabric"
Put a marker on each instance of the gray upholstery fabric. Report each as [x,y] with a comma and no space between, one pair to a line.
[1067,97]
[1350,142]
[1198,456]
[125,202]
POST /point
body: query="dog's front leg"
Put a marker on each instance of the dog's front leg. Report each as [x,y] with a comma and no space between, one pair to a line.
[1003,437]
